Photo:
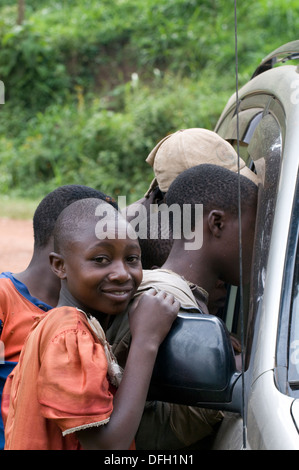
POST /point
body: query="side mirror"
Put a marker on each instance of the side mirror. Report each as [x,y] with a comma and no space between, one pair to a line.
[195,365]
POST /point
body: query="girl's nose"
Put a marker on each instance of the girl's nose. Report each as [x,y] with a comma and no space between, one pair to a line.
[119,273]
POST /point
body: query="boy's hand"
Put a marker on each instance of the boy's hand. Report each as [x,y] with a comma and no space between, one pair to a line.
[151,316]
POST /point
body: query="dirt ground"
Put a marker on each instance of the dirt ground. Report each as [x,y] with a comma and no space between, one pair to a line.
[16,244]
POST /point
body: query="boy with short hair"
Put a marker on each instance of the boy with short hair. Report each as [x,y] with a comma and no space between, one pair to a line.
[174,154]
[60,394]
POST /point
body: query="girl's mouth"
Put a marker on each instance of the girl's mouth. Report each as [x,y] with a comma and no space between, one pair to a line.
[121,294]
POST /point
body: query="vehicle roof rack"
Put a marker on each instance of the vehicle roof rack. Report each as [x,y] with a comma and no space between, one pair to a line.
[289,51]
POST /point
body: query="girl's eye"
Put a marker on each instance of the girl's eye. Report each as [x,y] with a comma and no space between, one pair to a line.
[101,260]
[133,259]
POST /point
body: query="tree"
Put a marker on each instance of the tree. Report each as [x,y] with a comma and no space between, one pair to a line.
[21,11]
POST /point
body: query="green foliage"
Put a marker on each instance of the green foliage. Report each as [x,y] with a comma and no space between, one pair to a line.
[90,87]
[86,141]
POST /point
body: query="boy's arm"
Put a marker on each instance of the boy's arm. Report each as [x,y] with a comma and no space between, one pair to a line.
[150,320]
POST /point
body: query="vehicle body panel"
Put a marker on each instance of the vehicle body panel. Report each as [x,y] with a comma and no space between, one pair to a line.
[270,417]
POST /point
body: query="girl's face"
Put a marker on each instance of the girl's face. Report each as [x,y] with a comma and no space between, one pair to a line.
[102,275]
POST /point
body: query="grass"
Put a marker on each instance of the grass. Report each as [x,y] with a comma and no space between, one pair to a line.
[17,208]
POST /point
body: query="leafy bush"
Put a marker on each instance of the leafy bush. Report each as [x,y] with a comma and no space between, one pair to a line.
[103,143]
[92,86]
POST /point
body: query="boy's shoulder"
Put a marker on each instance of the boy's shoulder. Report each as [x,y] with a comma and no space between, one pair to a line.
[11,287]
[11,299]
[6,281]
[119,334]
[15,297]
[173,283]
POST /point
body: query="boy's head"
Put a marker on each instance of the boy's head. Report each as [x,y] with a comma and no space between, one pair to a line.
[218,190]
[51,206]
[175,153]
[212,186]
[99,272]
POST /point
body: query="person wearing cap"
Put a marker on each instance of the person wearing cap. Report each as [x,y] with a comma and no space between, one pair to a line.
[190,147]
[175,153]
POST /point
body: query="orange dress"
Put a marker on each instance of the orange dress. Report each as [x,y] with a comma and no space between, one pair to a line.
[19,310]
[59,386]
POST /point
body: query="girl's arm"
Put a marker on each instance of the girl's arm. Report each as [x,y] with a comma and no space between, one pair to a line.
[151,318]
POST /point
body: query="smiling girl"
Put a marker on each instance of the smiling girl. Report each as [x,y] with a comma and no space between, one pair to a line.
[66,391]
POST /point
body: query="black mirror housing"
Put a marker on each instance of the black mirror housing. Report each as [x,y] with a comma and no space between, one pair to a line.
[195,365]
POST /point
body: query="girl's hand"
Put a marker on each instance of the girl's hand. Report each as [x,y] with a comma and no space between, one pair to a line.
[152,314]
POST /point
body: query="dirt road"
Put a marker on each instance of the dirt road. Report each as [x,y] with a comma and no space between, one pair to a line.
[16,244]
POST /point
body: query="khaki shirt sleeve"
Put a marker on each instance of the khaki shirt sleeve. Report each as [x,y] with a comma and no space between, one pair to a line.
[172,427]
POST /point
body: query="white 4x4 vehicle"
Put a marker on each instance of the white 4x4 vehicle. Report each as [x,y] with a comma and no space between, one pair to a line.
[262,405]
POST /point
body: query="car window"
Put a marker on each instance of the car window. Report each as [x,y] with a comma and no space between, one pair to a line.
[261,139]
[265,149]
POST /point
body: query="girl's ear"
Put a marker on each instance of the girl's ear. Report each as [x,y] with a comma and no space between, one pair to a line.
[57,265]
[216,222]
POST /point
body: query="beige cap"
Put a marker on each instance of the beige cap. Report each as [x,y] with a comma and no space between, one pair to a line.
[190,147]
